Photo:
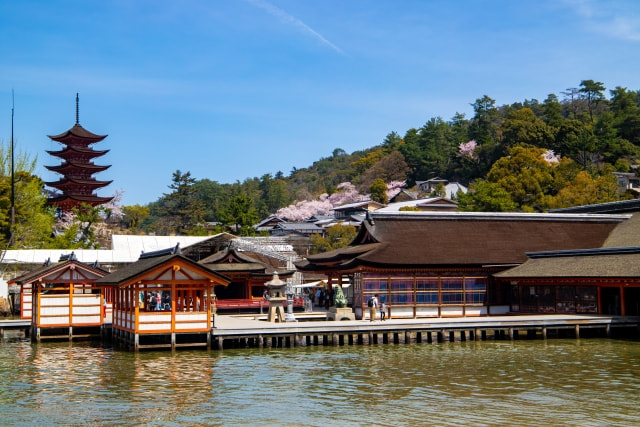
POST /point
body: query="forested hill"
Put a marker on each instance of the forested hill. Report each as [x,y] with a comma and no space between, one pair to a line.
[528,156]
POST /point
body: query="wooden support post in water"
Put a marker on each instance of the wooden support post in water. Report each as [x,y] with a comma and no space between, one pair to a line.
[173,340]
[608,330]
[577,331]
[407,337]
[220,343]
[544,332]
[511,334]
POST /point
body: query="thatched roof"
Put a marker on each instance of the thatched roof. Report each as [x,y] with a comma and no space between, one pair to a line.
[429,239]
[625,234]
[597,263]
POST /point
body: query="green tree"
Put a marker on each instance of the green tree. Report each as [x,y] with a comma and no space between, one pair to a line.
[240,215]
[337,236]
[552,111]
[183,209]
[585,189]
[522,127]
[592,91]
[391,167]
[378,190]
[134,215]
[33,218]
[485,196]
[526,176]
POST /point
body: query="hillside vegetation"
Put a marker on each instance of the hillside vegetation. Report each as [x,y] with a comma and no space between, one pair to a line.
[528,156]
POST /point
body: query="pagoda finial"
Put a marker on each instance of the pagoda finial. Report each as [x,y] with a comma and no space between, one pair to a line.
[77,109]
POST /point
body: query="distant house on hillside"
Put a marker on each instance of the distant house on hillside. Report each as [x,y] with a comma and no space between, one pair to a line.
[268,223]
[345,211]
[628,181]
[404,196]
[450,188]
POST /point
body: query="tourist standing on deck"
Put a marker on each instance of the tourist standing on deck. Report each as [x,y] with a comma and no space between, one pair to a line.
[373,306]
[383,310]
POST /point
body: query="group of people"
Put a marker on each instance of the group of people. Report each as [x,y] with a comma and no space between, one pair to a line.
[374,305]
[157,301]
[161,301]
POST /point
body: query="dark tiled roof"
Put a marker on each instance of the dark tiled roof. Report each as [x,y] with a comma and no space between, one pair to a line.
[232,260]
[142,266]
[43,271]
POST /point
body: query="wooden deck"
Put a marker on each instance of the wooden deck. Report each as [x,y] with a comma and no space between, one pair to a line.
[312,329]
[231,331]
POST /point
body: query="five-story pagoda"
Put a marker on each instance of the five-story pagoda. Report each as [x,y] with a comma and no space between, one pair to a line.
[77,185]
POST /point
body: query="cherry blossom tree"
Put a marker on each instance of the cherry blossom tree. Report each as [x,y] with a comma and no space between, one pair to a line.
[394,187]
[324,205]
[468,150]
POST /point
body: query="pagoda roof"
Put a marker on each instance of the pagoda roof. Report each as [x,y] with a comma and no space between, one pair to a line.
[67,181]
[71,200]
[78,150]
[76,165]
[77,131]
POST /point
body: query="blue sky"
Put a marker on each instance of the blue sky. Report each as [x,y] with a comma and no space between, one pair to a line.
[232,89]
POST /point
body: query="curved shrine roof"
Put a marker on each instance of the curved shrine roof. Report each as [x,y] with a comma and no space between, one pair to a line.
[429,239]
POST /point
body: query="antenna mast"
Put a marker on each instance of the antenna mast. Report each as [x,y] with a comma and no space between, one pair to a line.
[13,192]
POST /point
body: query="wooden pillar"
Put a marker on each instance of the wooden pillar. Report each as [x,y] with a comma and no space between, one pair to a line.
[511,334]
[220,343]
[334,338]
[136,342]
[623,309]
[173,340]
[577,331]
[544,332]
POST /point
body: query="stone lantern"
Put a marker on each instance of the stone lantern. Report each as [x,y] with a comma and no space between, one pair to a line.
[277,297]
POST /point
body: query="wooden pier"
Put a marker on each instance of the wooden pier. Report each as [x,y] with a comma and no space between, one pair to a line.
[311,329]
[236,331]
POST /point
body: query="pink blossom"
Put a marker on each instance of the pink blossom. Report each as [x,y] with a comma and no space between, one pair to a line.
[394,187]
[467,149]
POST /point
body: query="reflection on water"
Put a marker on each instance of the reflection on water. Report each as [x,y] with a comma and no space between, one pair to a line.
[561,382]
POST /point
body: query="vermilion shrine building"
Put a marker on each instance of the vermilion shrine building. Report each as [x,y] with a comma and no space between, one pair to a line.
[429,264]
